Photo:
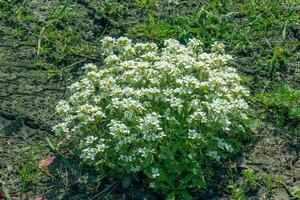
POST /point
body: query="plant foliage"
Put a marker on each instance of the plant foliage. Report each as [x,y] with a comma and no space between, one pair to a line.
[168,114]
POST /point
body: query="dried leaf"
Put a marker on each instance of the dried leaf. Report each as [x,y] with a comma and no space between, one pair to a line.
[45,163]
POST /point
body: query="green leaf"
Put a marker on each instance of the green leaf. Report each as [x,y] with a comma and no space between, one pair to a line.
[60,155]
[126,181]
[5,192]
[186,196]
[284,31]
[185,181]
[171,196]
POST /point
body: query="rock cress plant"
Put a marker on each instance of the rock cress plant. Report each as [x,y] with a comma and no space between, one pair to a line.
[165,113]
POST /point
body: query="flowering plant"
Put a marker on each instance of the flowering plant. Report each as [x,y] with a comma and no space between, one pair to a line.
[167,113]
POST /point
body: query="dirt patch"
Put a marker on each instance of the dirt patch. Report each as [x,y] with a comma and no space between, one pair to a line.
[20,150]
[29,95]
[275,157]
[28,98]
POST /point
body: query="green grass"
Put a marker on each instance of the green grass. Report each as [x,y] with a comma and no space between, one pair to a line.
[260,32]
[249,182]
[282,106]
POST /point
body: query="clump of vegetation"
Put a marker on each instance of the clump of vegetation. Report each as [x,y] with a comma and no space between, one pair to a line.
[295,192]
[167,114]
[260,32]
[250,182]
[283,105]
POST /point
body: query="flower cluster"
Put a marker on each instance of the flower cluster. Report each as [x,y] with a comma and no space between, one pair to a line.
[164,112]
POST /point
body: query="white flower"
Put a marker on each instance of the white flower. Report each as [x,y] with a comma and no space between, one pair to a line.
[101,148]
[195,45]
[63,107]
[155,172]
[117,128]
[150,123]
[107,41]
[197,116]
[192,134]
[135,169]
[128,112]
[89,153]
[61,128]
[214,155]
[224,146]
[90,67]
[112,59]
[123,41]
[175,2]
[218,47]
[91,139]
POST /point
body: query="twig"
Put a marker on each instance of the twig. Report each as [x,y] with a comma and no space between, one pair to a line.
[76,63]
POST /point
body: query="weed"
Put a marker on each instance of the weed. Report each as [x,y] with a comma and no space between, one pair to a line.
[146,4]
[295,192]
[249,183]
[149,105]
[4,193]
[283,105]
[107,12]
[237,192]
[251,180]
[24,174]
[246,37]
